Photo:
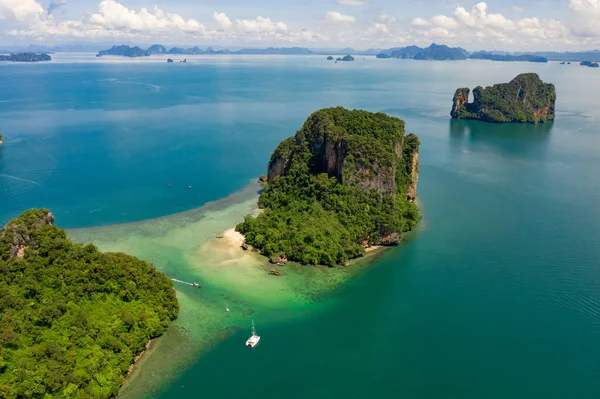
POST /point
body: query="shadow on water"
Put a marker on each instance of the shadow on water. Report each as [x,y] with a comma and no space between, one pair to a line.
[509,139]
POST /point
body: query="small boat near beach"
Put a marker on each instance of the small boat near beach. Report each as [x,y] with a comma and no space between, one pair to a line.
[196,285]
[254,339]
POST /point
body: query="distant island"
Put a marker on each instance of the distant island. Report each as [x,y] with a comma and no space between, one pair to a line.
[330,58]
[347,180]
[433,52]
[589,64]
[484,55]
[124,51]
[73,319]
[1,137]
[25,57]
[345,58]
[525,99]
[127,51]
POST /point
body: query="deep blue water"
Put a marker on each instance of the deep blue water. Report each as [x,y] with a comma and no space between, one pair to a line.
[498,296]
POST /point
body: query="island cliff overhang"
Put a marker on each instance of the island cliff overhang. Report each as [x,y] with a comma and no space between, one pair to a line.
[525,99]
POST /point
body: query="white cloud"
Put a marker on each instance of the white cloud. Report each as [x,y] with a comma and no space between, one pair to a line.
[443,21]
[518,9]
[222,19]
[261,26]
[473,25]
[585,6]
[419,22]
[379,28]
[22,10]
[352,2]
[114,20]
[478,27]
[335,16]
[115,16]
[387,18]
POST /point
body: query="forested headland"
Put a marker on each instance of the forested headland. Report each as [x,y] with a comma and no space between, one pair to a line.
[72,319]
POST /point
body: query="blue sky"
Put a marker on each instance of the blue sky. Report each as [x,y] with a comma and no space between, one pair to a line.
[493,24]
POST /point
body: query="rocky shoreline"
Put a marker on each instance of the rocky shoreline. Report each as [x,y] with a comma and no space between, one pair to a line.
[133,365]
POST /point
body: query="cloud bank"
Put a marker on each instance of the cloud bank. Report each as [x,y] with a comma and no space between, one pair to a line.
[474,26]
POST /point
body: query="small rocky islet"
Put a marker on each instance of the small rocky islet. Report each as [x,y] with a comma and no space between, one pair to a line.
[525,99]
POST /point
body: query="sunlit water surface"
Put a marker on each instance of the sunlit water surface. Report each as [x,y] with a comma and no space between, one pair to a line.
[496,296]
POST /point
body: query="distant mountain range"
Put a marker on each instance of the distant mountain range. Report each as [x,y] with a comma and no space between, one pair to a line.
[127,51]
[136,51]
[433,52]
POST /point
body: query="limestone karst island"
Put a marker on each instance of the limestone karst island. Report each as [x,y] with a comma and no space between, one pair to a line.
[346,181]
[525,99]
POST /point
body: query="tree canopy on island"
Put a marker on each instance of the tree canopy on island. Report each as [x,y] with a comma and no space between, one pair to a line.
[340,184]
[525,99]
[72,319]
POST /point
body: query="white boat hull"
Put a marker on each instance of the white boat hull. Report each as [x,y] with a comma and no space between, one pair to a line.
[252,341]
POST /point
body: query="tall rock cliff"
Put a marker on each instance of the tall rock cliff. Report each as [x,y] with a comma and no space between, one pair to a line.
[525,99]
[22,232]
[356,147]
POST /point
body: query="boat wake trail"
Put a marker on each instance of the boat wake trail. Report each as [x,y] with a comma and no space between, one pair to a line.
[182,282]
[20,179]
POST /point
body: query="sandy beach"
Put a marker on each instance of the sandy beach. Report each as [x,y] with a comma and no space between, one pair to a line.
[233,237]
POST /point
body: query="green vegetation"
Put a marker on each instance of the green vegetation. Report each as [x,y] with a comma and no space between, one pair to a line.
[72,318]
[338,185]
[525,99]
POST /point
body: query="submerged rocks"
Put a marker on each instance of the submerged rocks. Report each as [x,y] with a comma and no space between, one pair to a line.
[245,246]
[274,272]
[525,99]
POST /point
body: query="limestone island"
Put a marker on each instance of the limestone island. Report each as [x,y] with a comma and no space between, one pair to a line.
[589,64]
[525,99]
[1,137]
[345,58]
[345,182]
[26,57]
[73,320]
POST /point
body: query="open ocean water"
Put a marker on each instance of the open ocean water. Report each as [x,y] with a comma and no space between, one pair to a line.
[496,296]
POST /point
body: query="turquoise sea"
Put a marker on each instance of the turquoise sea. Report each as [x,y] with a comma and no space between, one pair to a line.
[497,295]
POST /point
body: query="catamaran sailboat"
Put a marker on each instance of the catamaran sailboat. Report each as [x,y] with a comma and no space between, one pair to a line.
[253,340]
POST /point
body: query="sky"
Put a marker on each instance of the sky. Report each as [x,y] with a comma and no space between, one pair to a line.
[511,25]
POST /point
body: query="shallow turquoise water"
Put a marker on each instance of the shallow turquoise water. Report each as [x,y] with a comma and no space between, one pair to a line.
[497,296]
